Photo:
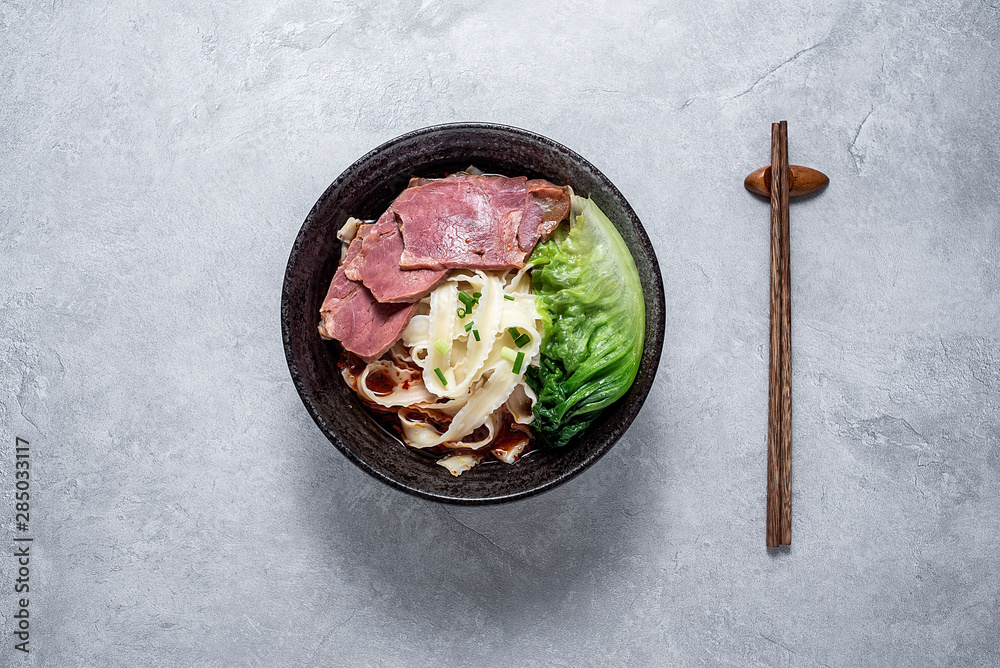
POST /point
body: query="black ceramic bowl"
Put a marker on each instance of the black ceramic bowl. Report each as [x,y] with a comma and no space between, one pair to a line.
[364,190]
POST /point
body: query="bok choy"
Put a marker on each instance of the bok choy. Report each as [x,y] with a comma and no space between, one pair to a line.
[589,296]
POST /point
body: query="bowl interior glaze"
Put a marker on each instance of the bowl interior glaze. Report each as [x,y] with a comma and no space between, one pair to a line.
[364,190]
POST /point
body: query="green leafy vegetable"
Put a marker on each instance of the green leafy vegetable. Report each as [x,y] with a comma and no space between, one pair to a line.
[591,303]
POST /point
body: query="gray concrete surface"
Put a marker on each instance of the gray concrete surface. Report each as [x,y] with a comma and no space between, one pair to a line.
[156,161]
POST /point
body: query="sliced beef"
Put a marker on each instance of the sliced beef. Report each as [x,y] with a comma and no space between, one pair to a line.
[470,221]
[553,204]
[350,253]
[377,265]
[462,221]
[351,314]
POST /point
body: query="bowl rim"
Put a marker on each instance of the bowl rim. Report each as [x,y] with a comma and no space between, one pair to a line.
[305,394]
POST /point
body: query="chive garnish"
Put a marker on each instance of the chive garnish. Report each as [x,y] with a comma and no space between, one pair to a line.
[476,296]
[444,381]
[469,325]
[467,300]
[441,347]
[508,354]
[520,338]
[462,312]
[475,333]
[518,361]
[508,298]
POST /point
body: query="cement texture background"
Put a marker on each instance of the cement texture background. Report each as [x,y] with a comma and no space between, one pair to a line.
[156,161]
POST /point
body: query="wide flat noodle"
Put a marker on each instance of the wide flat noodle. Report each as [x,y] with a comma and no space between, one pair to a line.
[420,434]
[459,464]
[478,379]
[520,403]
[407,388]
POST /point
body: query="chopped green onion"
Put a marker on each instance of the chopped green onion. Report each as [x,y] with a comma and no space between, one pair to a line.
[462,312]
[476,296]
[444,381]
[475,333]
[518,361]
[520,338]
[441,347]
[467,300]
[508,354]
[469,325]
[508,298]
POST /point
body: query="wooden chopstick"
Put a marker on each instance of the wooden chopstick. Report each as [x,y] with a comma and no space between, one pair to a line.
[779,422]
[786,346]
